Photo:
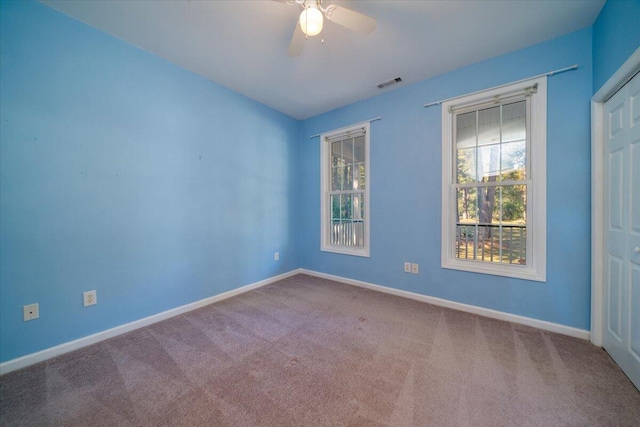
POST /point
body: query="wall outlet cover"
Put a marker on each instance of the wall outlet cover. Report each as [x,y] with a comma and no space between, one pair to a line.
[31,311]
[89,298]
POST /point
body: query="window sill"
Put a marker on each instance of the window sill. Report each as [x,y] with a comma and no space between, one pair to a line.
[361,252]
[513,271]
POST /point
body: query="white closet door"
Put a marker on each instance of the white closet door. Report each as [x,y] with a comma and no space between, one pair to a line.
[621,336]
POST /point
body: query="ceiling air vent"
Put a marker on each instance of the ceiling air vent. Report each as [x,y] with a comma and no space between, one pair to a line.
[388,83]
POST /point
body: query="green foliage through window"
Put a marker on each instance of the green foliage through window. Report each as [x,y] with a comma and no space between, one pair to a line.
[491,173]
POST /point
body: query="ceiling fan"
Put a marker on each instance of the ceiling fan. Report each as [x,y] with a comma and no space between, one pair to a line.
[312,17]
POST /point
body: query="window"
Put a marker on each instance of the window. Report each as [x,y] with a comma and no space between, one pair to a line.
[494,181]
[345,190]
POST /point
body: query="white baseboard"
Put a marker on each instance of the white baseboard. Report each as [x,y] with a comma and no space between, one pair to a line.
[486,312]
[30,359]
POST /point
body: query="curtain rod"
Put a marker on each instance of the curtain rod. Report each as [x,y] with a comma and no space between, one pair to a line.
[548,74]
[355,124]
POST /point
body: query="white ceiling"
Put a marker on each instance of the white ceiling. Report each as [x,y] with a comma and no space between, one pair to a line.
[242,44]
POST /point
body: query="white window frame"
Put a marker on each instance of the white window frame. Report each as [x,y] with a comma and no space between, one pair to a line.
[325,177]
[536,243]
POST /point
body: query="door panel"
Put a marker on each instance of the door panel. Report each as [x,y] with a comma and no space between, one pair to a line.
[621,337]
[634,103]
[616,196]
[634,317]
[615,316]
[616,117]
[635,185]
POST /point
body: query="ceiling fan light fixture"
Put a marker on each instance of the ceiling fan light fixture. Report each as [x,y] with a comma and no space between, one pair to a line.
[311,21]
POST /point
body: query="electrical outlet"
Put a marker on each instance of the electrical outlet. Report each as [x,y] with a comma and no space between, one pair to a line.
[407,267]
[31,311]
[89,298]
[415,268]
[276,256]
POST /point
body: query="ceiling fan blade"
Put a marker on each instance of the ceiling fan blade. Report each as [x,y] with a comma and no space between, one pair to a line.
[297,42]
[351,19]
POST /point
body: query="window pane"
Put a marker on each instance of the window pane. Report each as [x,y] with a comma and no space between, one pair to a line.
[336,153]
[358,231]
[488,235]
[359,149]
[488,205]
[348,178]
[466,130]
[347,151]
[361,177]
[335,207]
[467,212]
[514,204]
[514,122]
[335,182]
[513,161]
[489,126]
[514,244]
[488,163]
[356,177]
[465,241]
[466,166]
[357,202]
[345,203]
[483,243]
[467,217]
[337,235]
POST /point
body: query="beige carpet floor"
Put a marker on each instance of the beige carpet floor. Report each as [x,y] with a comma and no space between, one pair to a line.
[310,352]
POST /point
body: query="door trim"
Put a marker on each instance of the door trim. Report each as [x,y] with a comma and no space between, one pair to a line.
[630,67]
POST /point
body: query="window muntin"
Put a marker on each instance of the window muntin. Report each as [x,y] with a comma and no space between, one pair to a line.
[345,191]
[494,167]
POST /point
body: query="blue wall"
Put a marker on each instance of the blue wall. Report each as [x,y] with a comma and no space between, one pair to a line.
[616,35]
[406,187]
[124,173]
